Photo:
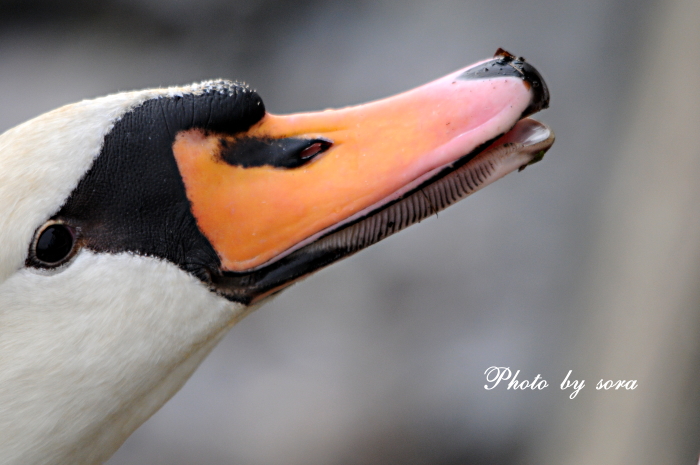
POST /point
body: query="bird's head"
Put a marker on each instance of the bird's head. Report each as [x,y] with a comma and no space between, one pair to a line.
[138,227]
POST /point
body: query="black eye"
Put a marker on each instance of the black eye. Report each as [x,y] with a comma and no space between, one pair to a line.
[55,244]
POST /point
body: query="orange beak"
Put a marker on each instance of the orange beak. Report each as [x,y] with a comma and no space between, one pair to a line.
[359,159]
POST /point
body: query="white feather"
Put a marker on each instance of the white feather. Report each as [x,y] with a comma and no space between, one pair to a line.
[89,353]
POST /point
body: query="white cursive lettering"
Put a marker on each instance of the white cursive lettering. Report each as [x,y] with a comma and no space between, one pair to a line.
[495,375]
[576,384]
[609,384]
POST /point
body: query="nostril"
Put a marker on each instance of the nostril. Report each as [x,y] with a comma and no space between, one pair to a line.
[317,147]
[288,152]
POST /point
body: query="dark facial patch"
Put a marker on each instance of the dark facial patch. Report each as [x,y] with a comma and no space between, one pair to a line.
[133,198]
[248,152]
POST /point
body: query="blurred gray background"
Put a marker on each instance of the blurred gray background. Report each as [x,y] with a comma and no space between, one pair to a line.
[380,359]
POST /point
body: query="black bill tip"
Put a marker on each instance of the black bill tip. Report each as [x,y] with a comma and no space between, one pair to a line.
[505,64]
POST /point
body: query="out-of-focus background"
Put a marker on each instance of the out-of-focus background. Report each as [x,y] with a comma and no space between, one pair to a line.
[587,261]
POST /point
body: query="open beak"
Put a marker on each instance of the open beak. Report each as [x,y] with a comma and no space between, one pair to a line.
[297,192]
